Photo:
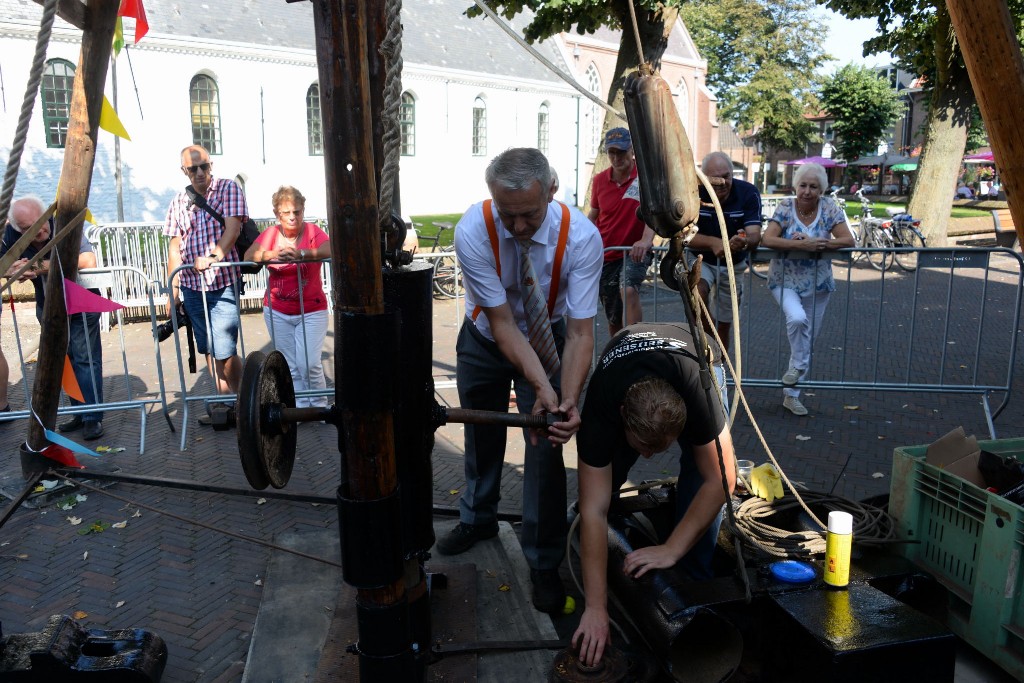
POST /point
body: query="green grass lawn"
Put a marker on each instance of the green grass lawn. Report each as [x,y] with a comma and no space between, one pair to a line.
[426,230]
[853,210]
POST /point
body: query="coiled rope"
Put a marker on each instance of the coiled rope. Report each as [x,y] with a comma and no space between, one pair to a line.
[391,50]
[31,90]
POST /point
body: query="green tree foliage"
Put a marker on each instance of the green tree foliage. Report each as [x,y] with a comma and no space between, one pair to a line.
[864,105]
[919,33]
[762,61]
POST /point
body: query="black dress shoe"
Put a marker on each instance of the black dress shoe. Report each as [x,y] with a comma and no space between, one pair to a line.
[72,425]
[93,430]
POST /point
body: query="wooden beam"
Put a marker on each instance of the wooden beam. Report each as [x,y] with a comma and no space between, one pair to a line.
[987,39]
[72,11]
[72,198]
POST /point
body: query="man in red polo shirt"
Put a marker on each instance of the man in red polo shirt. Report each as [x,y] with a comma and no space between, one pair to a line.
[614,199]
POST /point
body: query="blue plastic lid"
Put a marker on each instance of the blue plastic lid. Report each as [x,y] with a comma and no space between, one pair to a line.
[792,571]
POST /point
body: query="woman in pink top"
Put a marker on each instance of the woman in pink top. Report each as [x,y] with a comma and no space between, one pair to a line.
[295,306]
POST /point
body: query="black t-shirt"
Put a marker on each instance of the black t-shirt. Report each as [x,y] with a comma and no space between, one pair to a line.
[664,350]
[741,208]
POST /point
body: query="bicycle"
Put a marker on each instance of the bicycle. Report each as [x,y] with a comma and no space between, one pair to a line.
[447,279]
[872,233]
[905,232]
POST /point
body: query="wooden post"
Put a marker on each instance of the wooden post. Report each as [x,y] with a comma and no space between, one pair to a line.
[987,39]
[72,197]
[366,432]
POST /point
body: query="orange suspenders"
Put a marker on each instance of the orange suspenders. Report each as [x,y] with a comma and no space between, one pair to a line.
[556,271]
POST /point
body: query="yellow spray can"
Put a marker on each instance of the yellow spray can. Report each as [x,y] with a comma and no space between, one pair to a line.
[838,542]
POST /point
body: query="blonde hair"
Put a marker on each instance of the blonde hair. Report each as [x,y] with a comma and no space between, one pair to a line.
[652,410]
[287,193]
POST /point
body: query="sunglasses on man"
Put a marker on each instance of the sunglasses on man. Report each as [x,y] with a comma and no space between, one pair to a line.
[191,170]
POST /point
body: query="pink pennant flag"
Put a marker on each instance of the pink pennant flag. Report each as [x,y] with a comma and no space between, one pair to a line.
[80,300]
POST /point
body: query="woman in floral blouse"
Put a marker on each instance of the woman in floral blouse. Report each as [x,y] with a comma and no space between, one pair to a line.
[802,286]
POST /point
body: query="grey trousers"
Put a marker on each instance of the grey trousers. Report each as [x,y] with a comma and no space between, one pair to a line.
[484,378]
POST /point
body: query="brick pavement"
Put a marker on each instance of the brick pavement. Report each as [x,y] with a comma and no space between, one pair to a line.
[201,590]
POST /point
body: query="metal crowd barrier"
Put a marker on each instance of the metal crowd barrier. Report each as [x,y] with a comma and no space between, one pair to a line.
[191,396]
[144,247]
[950,326]
[129,399]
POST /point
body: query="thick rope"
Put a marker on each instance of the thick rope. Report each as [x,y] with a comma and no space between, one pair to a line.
[391,49]
[31,92]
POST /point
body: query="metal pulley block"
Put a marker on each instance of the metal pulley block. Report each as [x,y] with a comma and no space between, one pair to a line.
[266,441]
[669,201]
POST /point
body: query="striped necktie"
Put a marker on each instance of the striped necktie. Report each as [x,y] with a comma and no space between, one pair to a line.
[538,323]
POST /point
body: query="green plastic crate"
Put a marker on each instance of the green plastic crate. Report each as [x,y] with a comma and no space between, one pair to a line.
[971,541]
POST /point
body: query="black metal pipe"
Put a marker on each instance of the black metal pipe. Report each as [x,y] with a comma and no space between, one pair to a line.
[188,485]
[30,485]
[494,417]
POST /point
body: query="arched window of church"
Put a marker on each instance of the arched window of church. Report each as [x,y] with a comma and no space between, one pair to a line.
[58,78]
[479,127]
[682,97]
[314,123]
[205,100]
[407,123]
[543,128]
[592,117]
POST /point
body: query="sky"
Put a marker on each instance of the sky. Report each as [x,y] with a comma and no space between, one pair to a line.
[845,41]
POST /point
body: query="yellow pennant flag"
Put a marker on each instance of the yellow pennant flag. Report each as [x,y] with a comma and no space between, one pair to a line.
[109,121]
[118,37]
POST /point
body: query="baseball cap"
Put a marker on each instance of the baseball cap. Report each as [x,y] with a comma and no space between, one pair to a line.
[617,138]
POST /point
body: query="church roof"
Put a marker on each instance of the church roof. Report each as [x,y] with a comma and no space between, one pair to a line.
[437,33]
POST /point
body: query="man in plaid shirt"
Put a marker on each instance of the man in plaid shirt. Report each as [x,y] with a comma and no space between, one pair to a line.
[197,238]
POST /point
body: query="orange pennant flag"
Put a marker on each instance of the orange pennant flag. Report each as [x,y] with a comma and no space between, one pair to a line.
[134,9]
[70,382]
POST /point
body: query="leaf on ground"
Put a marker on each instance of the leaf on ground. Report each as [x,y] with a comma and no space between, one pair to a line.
[75,521]
[80,614]
[801,437]
[504,588]
[119,525]
[453,492]
[97,527]
[851,407]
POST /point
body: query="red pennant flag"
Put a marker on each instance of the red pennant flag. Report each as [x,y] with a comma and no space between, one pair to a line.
[78,299]
[70,382]
[62,455]
[134,9]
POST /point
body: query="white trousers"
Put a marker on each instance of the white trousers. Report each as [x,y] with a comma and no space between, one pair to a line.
[302,345]
[803,322]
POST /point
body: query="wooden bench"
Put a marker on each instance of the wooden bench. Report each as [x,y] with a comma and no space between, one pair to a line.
[1006,233]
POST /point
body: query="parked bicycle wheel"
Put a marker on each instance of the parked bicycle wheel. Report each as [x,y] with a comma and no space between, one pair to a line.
[446,283]
[877,239]
[907,237]
[855,231]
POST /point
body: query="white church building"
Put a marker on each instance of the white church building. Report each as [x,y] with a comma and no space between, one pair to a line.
[241,78]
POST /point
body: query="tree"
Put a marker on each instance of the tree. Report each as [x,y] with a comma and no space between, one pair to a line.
[655,21]
[863,105]
[920,34]
[762,61]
